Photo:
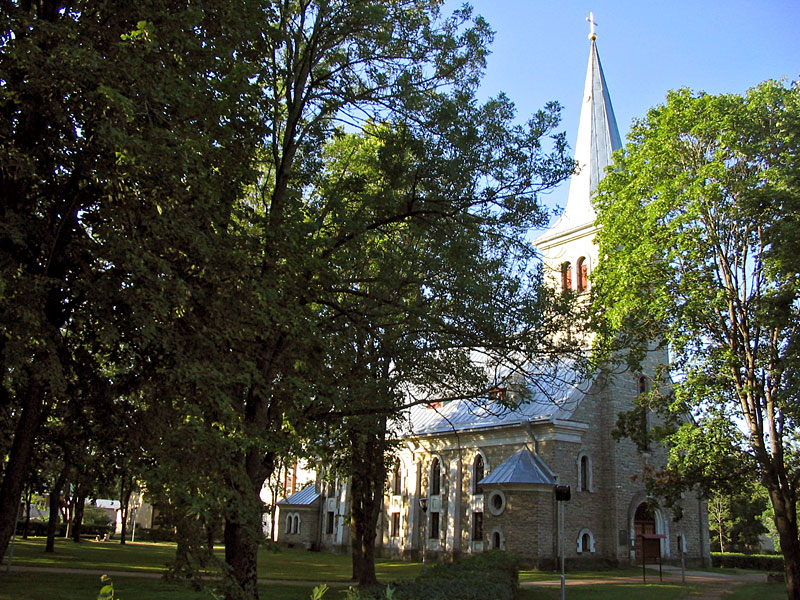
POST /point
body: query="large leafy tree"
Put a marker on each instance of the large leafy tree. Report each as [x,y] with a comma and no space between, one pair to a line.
[699,243]
[416,297]
[124,136]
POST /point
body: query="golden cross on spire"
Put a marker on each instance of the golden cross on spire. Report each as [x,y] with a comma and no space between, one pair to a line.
[592,23]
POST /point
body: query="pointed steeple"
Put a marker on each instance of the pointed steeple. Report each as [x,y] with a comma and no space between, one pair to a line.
[598,138]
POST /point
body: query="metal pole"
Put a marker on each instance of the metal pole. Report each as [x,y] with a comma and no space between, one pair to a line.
[683,565]
[13,537]
[644,576]
[133,525]
[563,549]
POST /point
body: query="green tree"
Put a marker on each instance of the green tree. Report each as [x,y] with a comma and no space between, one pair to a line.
[417,295]
[735,519]
[698,234]
[125,133]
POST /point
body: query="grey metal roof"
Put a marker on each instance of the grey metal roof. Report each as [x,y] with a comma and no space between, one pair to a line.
[552,396]
[598,139]
[304,497]
[521,467]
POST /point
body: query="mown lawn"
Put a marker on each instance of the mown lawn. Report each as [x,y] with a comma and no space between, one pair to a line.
[52,586]
[153,557]
[291,565]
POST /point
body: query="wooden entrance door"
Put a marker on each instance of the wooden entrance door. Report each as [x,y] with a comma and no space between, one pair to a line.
[644,522]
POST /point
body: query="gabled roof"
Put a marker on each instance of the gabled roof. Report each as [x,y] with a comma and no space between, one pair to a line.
[598,138]
[521,467]
[551,397]
[304,497]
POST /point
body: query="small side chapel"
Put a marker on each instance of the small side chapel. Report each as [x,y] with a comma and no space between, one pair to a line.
[471,479]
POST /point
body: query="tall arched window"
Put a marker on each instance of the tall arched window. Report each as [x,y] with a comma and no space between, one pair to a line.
[397,481]
[644,387]
[584,473]
[477,473]
[566,277]
[436,477]
[583,274]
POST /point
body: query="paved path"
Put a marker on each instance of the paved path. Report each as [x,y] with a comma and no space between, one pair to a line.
[720,582]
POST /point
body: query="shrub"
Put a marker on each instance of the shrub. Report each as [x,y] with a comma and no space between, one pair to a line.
[477,577]
[759,562]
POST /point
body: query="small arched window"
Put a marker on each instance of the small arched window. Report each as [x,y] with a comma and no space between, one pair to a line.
[436,477]
[566,276]
[289,521]
[496,540]
[397,481]
[296,524]
[477,473]
[585,541]
[583,274]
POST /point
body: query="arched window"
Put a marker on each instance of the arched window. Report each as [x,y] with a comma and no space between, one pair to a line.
[566,277]
[585,483]
[497,540]
[397,481]
[583,274]
[477,473]
[644,387]
[296,524]
[585,541]
[289,521]
[436,477]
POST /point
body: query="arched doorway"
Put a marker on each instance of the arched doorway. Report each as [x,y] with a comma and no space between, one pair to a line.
[644,522]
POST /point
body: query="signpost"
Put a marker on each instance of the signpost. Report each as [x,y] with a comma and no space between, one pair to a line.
[562,495]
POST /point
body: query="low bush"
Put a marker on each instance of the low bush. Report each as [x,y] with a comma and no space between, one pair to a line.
[759,562]
[488,575]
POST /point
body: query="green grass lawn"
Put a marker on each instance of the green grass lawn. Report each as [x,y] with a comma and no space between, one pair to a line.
[615,591]
[153,557]
[47,586]
[586,574]
[297,565]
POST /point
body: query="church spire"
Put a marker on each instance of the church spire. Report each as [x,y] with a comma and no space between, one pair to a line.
[598,138]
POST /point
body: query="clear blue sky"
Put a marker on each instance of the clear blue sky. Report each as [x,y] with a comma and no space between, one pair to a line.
[541,49]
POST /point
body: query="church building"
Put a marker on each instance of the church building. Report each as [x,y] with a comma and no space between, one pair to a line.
[473,478]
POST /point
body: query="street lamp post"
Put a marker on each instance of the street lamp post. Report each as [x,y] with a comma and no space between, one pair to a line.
[423,504]
[562,495]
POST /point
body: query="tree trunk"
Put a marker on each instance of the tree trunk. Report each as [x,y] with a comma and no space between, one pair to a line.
[125,491]
[367,473]
[241,554]
[243,530]
[786,524]
[79,501]
[17,466]
[55,502]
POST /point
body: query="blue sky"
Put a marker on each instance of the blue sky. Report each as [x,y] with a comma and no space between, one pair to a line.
[541,49]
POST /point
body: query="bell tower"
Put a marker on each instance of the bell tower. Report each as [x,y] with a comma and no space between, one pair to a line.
[567,248]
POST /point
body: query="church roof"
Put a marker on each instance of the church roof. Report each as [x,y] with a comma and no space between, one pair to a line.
[304,497]
[598,138]
[521,467]
[552,396]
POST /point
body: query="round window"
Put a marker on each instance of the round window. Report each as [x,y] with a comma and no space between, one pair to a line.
[497,502]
